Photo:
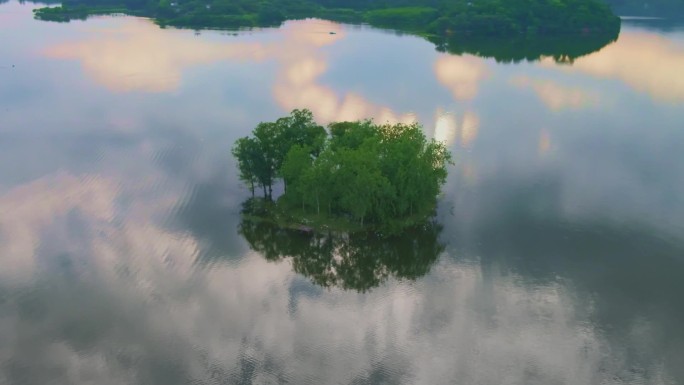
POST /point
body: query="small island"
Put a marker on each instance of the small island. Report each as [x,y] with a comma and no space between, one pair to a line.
[357,176]
[427,18]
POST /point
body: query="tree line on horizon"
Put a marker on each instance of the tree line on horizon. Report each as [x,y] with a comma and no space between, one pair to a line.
[423,17]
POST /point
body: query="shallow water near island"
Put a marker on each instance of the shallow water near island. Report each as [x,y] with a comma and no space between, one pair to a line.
[556,257]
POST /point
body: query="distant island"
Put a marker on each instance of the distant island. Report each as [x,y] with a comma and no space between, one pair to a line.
[359,176]
[428,18]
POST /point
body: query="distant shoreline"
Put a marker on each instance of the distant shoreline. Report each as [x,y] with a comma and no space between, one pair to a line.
[427,18]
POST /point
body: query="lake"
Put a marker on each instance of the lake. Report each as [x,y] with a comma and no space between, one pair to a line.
[556,256]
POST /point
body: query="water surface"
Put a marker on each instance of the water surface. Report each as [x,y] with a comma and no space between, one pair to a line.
[557,257]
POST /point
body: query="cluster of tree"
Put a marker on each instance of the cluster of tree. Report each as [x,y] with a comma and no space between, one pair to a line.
[357,261]
[424,17]
[383,176]
[261,157]
[65,14]
[525,17]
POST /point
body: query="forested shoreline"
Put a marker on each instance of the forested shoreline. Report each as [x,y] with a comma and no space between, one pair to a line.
[503,18]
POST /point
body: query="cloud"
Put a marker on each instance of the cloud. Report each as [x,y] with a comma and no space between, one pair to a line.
[140,300]
[302,63]
[449,131]
[27,209]
[556,96]
[237,323]
[139,56]
[461,74]
[645,61]
[544,142]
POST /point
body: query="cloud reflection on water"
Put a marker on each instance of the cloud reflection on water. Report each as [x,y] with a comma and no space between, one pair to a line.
[461,74]
[452,129]
[644,60]
[29,208]
[128,302]
[141,300]
[302,63]
[557,96]
[137,55]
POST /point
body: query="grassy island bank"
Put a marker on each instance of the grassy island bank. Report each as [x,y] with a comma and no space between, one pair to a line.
[503,18]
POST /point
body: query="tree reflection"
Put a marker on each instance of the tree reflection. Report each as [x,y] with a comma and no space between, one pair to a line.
[358,261]
[563,49]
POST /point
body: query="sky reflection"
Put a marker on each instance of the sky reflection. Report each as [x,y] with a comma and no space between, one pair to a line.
[132,294]
[557,97]
[461,74]
[656,70]
[137,55]
[119,211]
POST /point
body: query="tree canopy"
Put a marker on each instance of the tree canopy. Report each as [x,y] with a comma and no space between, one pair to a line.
[261,156]
[385,176]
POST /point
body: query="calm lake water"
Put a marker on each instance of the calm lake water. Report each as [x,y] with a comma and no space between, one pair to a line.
[558,256]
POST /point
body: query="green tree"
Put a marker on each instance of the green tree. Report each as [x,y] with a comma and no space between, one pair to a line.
[247,153]
[270,14]
[269,161]
[299,128]
[297,164]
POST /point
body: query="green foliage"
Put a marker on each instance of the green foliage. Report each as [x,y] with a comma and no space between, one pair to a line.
[502,18]
[404,18]
[523,17]
[260,157]
[383,176]
[65,14]
[251,162]
[270,15]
